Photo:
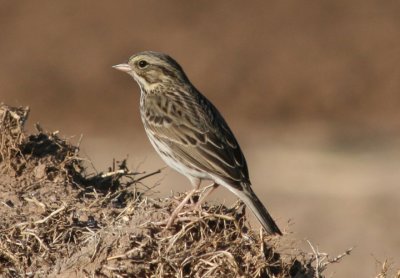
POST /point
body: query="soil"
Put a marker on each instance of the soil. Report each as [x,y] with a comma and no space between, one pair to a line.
[58,219]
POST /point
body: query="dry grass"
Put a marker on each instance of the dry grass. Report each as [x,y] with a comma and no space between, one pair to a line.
[387,270]
[58,220]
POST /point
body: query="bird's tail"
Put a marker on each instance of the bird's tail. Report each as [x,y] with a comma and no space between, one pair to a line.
[252,201]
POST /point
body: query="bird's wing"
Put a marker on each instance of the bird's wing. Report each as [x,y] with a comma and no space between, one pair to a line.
[198,135]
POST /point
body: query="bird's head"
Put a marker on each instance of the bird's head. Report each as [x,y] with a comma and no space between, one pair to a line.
[151,69]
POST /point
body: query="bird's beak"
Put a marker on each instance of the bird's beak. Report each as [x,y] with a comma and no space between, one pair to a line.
[123,67]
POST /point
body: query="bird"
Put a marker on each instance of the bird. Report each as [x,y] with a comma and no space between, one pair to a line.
[189,133]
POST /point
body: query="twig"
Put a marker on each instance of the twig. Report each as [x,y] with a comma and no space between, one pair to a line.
[96,250]
[316,254]
[50,215]
[338,257]
[35,201]
[148,175]
[115,173]
[37,238]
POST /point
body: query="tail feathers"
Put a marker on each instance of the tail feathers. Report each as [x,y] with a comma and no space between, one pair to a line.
[252,201]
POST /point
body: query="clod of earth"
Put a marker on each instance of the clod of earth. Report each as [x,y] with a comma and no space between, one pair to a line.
[59,219]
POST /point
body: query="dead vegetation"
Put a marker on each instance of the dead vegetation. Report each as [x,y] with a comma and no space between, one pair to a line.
[387,270]
[59,220]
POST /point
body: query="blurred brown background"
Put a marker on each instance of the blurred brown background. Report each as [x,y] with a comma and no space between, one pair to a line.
[311,89]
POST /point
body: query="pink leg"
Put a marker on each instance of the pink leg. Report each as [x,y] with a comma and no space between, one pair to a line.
[198,204]
[196,184]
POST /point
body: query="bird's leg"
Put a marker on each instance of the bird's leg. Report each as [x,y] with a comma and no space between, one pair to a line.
[205,195]
[189,195]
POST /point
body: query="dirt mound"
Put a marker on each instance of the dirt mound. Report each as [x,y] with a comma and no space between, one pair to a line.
[58,219]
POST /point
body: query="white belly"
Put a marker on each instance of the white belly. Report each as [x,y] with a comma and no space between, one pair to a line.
[162,148]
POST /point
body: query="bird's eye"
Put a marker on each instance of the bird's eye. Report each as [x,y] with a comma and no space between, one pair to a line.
[142,64]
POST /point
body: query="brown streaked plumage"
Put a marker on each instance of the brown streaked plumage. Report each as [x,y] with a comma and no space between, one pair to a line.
[189,133]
